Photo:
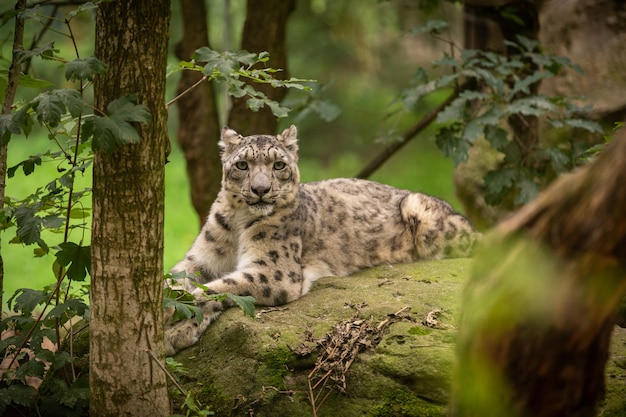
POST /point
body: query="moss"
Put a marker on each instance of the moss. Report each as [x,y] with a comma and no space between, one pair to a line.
[275,365]
[419,331]
[209,395]
[402,403]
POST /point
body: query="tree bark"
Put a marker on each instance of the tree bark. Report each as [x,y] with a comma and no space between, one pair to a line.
[540,305]
[126,324]
[264,30]
[198,129]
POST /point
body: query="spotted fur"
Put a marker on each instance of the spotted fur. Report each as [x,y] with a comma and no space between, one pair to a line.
[271,237]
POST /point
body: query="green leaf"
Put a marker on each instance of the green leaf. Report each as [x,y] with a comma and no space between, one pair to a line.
[277,109]
[560,160]
[28,166]
[246,303]
[255,104]
[531,106]
[453,112]
[26,299]
[183,307]
[497,137]
[500,179]
[246,58]
[523,85]
[50,106]
[585,124]
[73,101]
[68,308]
[125,108]
[16,394]
[84,69]
[45,52]
[77,257]
[30,368]
[27,81]
[88,6]
[433,27]
[116,128]
[448,137]
[8,126]
[528,190]
[28,225]
[473,130]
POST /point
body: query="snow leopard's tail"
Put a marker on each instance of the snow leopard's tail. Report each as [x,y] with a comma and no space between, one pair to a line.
[438,231]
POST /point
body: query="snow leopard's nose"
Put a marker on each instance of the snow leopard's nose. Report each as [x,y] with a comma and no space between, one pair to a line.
[261,189]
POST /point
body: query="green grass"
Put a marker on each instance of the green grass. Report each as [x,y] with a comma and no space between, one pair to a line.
[419,167]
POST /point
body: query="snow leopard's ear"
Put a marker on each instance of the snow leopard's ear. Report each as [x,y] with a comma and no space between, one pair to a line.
[289,138]
[229,139]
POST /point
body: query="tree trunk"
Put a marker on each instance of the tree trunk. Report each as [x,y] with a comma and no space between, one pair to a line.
[126,325]
[264,30]
[198,129]
[540,305]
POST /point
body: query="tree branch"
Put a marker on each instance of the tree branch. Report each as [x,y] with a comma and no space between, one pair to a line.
[424,122]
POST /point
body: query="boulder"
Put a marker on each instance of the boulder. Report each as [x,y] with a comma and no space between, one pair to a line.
[378,343]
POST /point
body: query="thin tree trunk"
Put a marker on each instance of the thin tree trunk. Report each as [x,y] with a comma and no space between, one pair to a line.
[540,305]
[9,97]
[264,30]
[126,324]
[198,129]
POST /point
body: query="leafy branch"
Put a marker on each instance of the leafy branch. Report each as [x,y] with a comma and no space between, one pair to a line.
[235,67]
[490,91]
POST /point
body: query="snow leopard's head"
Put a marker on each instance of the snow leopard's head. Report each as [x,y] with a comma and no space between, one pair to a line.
[260,171]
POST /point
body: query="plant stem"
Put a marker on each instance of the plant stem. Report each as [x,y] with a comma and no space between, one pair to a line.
[200,81]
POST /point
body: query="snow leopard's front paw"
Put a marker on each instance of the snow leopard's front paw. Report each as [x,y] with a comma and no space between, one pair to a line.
[183,334]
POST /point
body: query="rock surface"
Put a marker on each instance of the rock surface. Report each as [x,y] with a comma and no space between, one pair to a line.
[400,318]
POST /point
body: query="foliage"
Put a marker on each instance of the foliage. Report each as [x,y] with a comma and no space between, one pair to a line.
[235,68]
[492,91]
[182,301]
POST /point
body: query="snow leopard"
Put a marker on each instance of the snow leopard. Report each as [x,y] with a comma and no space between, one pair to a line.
[270,237]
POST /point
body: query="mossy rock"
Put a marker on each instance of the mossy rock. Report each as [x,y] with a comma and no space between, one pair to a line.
[247,366]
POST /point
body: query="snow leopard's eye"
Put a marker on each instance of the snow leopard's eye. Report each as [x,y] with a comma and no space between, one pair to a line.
[242,165]
[278,165]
